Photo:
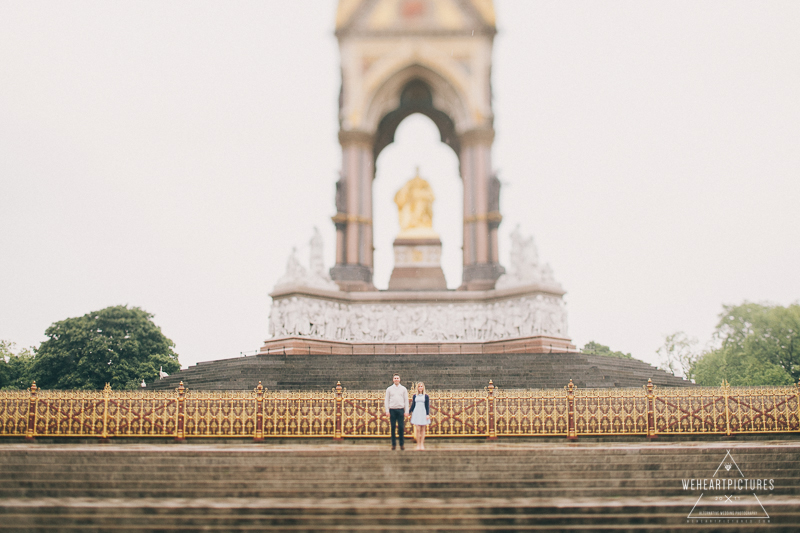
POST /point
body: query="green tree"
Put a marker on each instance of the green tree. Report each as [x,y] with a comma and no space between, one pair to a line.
[117,345]
[739,369]
[593,348]
[15,368]
[678,354]
[758,345]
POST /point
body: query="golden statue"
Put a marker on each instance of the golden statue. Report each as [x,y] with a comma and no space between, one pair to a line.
[415,208]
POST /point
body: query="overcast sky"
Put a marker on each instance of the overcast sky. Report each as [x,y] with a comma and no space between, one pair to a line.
[168,155]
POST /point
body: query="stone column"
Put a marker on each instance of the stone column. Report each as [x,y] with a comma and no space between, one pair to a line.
[340,220]
[493,219]
[481,214]
[353,269]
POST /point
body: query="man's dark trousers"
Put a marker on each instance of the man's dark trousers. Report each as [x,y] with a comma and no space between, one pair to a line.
[397,418]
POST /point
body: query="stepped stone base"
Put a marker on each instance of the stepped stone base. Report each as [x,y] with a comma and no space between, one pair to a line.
[539,344]
[299,370]
[479,486]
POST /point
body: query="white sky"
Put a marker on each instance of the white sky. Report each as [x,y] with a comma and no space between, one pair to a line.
[169,155]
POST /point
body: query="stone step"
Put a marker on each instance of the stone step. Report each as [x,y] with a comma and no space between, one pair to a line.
[406,518]
[356,492]
[557,471]
[398,460]
[597,507]
[378,450]
[100,482]
[348,476]
[395,460]
[355,519]
[370,527]
[369,372]
[361,470]
[454,467]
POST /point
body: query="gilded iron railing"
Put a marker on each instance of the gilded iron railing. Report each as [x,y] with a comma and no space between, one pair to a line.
[299,413]
[14,406]
[611,411]
[219,414]
[531,412]
[490,413]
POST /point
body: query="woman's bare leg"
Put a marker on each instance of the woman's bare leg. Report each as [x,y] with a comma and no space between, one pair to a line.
[422,430]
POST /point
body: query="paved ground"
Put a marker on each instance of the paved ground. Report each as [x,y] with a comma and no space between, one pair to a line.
[327,445]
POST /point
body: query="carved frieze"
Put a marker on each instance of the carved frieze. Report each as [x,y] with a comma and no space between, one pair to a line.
[315,317]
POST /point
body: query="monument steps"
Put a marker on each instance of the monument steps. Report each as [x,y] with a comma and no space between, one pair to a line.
[366,487]
[359,491]
[477,518]
[277,371]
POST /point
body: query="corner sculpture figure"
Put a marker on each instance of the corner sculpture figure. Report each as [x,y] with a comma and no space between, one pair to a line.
[525,266]
[415,208]
[315,276]
[316,252]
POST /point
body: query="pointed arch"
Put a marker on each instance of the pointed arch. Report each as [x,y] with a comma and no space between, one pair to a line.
[445,98]
[416,97]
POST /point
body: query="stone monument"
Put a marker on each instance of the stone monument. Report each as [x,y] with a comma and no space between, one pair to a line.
[400,57]
[432,57]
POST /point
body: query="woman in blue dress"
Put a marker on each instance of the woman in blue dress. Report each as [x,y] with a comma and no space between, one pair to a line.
[420,414]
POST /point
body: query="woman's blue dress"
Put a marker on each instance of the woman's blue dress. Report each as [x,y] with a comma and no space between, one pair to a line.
[419,416]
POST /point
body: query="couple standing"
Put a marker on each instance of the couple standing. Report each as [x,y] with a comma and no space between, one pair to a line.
[396,404]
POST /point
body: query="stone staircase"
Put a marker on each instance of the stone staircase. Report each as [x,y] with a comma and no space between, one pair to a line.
[278,371]
[363,486]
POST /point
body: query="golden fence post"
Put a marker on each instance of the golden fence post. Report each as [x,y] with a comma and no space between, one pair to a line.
[651,415]
[571,434]
[259,413]
[797,393]
[106,391]
[725,386]
[180,414]
[492,427]
[31,413]
[337,426]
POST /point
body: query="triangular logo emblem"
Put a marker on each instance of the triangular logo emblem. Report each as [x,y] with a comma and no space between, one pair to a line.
[728,495]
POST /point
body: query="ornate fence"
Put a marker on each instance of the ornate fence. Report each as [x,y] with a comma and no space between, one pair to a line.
[258,414]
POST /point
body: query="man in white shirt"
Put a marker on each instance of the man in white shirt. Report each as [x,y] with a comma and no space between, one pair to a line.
[396,404]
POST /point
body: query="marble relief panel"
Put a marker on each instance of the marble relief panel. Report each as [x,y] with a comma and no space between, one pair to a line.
[526,316]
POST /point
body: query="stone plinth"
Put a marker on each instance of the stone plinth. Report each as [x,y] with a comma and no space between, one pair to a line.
[310,346]
[530,319]
[417,265]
